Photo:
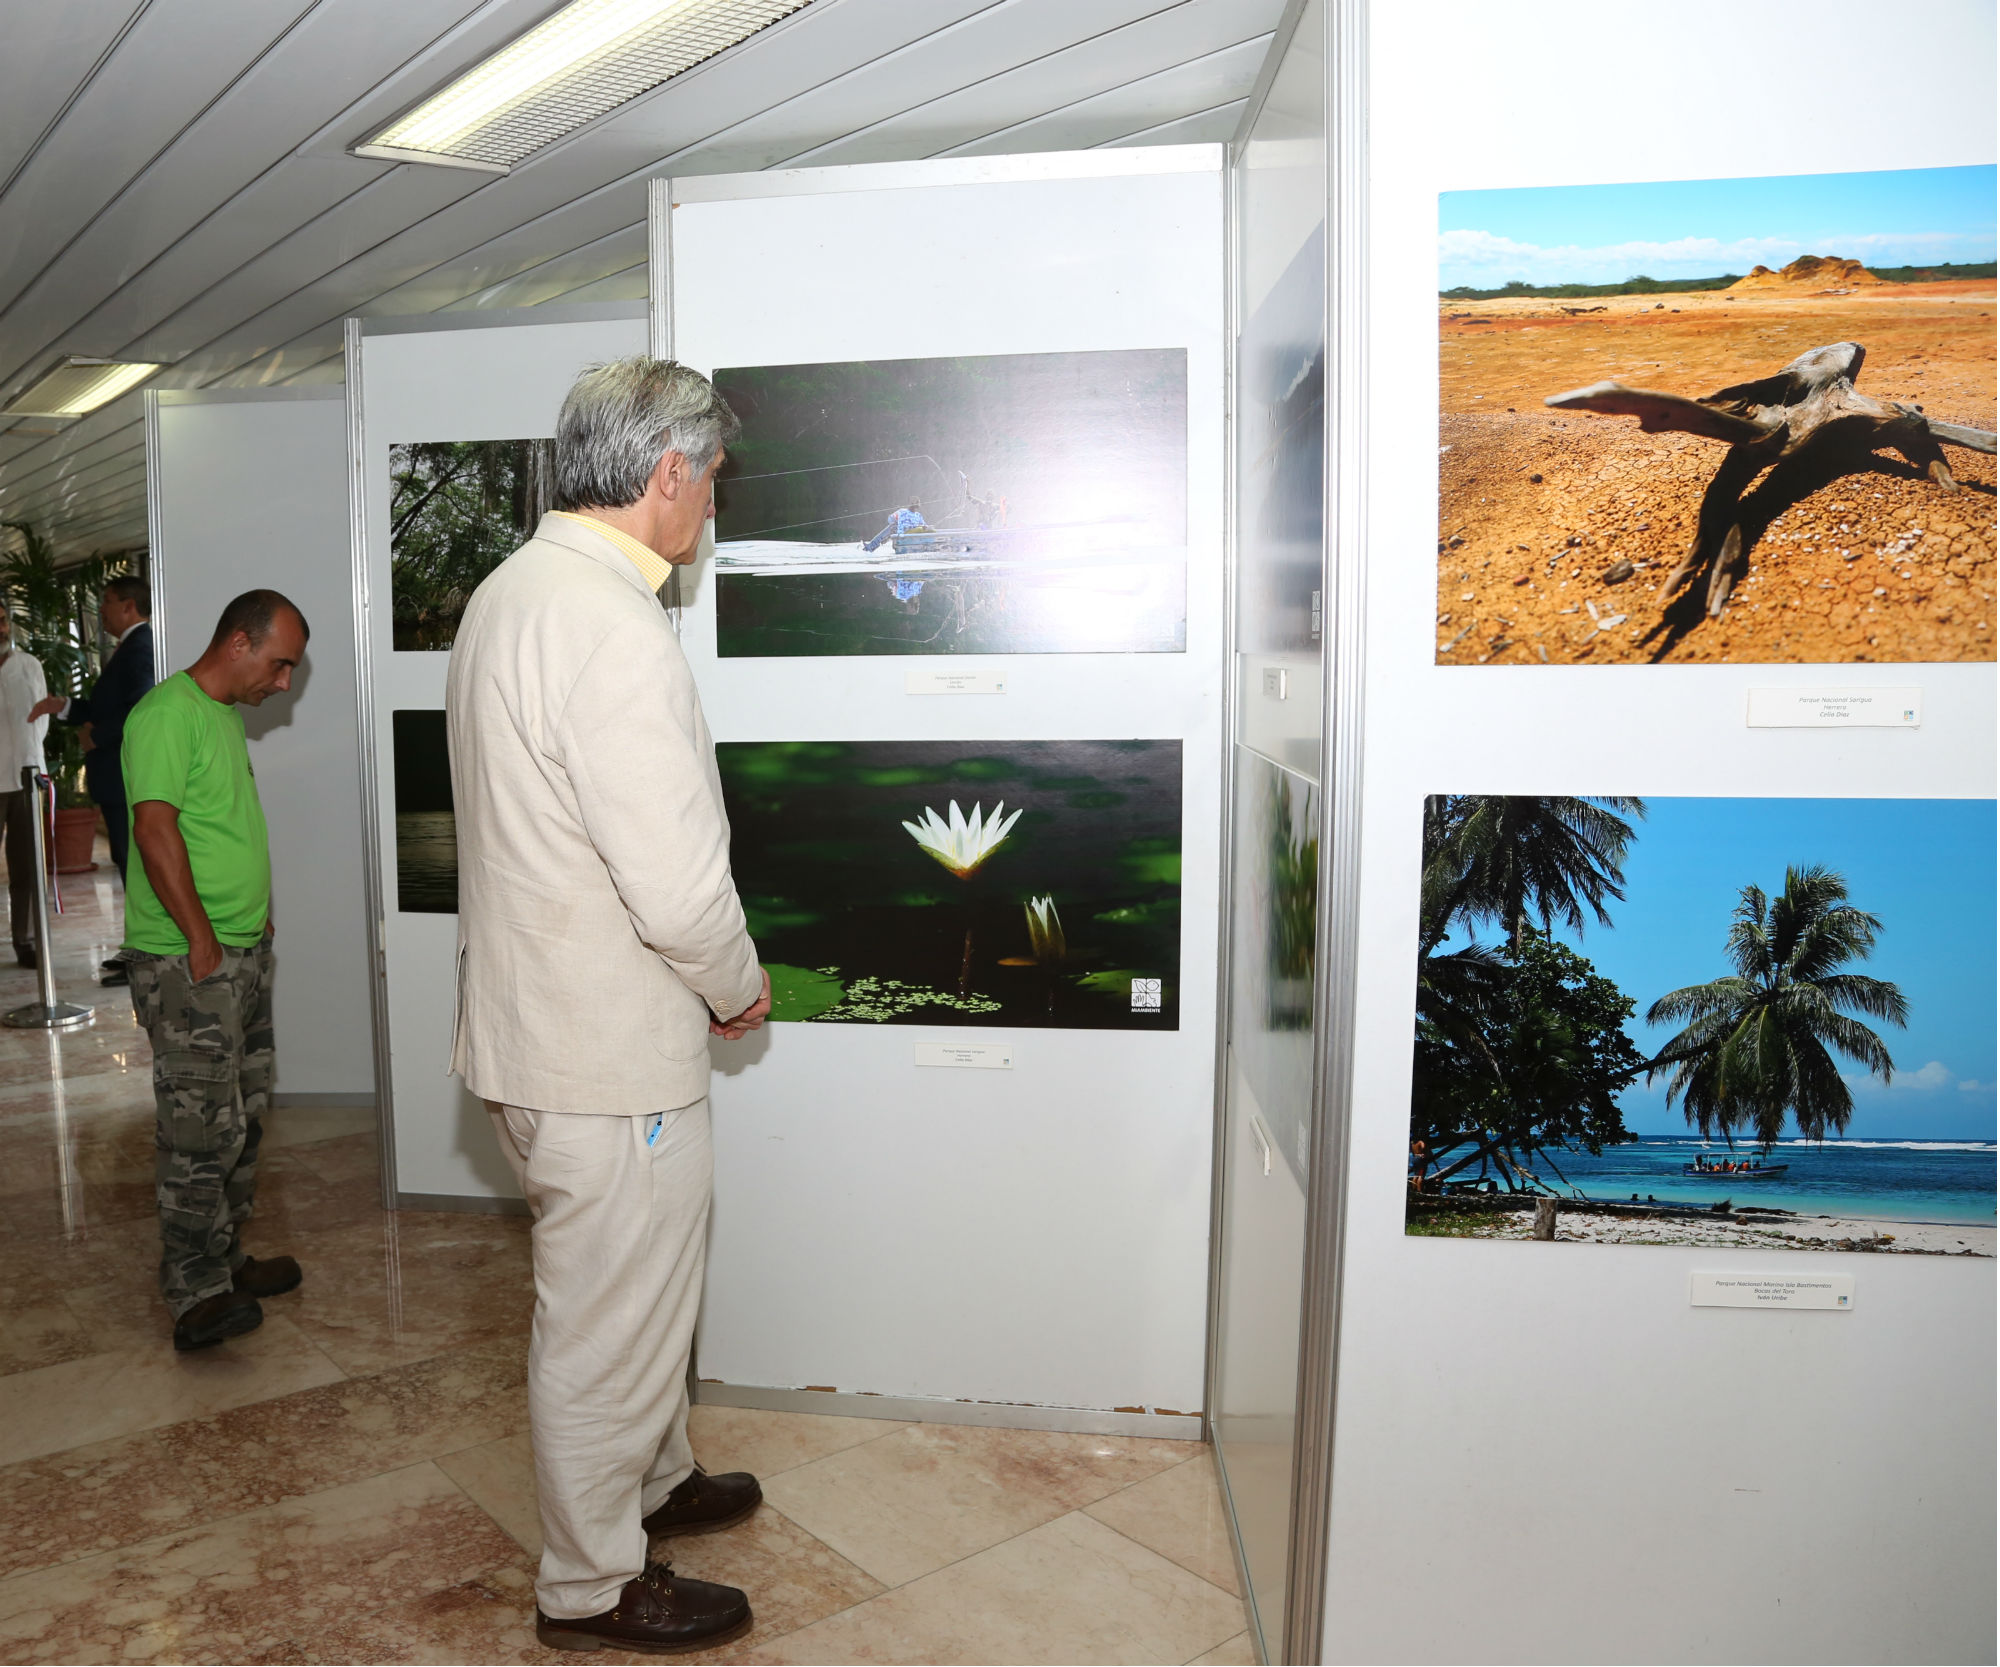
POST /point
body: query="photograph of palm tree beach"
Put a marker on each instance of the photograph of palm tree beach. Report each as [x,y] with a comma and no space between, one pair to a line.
[1742,421]
[1017,883]
[1748,1023]
[457,510]
[1026,503]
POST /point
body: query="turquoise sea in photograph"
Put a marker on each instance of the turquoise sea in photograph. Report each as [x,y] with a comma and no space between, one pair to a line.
[1888,1180]
[1751,1021]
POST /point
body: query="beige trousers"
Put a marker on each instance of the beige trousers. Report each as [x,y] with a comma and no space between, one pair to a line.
[620,1239]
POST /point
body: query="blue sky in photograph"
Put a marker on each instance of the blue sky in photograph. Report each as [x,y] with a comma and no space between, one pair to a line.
[1601,234]
[1924,867]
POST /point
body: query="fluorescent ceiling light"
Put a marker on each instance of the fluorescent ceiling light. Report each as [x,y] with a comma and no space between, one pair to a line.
[77,387]
[588,58]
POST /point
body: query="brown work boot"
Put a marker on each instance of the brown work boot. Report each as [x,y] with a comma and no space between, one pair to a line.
[272,1277]
[656,1614]
[216,1318]
[705,1504]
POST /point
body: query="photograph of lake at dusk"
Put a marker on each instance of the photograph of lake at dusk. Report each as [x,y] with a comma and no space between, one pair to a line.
[1747,1023]
[1013,503]
[426,825]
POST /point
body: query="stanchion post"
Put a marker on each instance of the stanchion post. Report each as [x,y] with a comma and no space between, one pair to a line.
[48,1013]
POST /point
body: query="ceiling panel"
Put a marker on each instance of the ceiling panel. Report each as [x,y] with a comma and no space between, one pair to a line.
[304,80]
[170,66]
[1046,70]
[49,56]
[185,195]
[1201,85]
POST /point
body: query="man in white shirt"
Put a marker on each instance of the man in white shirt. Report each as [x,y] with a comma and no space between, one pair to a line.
[21,688]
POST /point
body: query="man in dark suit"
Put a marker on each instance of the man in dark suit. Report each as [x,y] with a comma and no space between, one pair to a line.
[126,610]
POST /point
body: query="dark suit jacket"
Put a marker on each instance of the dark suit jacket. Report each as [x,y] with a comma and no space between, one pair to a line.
[127,675]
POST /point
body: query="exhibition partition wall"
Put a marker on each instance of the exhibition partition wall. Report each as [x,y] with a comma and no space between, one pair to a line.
[1266,1140]
[447,443]
[247,487]
[960,641]
[1678,824]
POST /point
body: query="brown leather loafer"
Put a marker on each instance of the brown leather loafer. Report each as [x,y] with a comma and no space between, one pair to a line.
[270,1278]
[657,1614]
[216,1318]
[705,1504]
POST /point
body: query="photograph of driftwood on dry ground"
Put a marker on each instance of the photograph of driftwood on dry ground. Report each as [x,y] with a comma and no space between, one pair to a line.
[1718,421]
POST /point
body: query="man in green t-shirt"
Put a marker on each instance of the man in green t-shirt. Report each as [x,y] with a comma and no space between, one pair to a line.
[198,950]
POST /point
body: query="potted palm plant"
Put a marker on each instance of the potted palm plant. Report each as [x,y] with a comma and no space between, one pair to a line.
[55,619]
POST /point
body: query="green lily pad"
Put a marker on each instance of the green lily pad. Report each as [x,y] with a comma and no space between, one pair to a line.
[800,993]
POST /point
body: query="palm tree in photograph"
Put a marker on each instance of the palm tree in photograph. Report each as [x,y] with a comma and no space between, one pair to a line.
[1759,1043]
[1520,1047]
[1518,859]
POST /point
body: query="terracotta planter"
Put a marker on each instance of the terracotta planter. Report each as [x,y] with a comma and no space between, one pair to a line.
[76,833]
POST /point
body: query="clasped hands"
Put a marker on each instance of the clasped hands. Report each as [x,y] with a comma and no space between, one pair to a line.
[751,1018]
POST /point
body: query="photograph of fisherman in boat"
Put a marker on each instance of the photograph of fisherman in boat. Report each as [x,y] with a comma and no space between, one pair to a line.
[1028,503]
[1743,1023]
[457,510]
[1015,883]
[426,825]
[1717,421]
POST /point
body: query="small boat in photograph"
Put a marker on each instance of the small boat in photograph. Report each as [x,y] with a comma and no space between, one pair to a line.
[1736,1169]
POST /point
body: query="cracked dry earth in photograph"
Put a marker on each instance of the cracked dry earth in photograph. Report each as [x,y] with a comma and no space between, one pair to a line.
[1558,529]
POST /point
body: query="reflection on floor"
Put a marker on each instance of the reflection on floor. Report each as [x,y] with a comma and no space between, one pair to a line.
[351,1482]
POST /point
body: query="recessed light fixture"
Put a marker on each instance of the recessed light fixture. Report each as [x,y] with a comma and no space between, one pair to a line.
[76,387]
[588,58]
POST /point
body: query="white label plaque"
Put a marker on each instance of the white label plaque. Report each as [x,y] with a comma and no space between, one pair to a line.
[922,680]
[1771,1290]
[968,1056]
[1836,708]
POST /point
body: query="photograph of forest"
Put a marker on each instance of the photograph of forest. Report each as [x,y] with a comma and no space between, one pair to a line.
[426,828]
[1752,1023]
[457,509]
[1029,503]
[1274,918]
[1018,883]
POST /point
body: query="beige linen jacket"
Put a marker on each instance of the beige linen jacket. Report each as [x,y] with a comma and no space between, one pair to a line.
[597,921]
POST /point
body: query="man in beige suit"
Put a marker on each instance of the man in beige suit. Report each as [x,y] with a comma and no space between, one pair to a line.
[600,944]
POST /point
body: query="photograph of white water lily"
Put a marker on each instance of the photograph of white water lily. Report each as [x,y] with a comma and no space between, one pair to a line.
[1018,883]
[1740,1023]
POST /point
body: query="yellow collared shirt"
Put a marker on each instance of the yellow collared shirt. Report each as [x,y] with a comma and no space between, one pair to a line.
[651,567]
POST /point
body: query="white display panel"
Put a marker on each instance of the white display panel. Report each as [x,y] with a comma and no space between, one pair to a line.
[249,488]
[502,380]
[1038,1234]
[1280,208]
[1527,1430]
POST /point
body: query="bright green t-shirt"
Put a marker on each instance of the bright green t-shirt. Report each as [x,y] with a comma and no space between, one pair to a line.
[188,750]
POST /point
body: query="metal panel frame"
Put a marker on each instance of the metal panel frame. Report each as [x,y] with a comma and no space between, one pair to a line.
[155,527]
[665,194]
[995,1415]
[1337,981]
[364,713]
[353,333]
[1132,163]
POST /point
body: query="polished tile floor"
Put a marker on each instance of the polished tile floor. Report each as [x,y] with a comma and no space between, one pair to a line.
[351,1483]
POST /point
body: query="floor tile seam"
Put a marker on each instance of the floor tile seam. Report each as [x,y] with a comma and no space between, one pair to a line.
[530,1557]
[181,1531]
[345,1377]
[1235,1597]
[890,1590]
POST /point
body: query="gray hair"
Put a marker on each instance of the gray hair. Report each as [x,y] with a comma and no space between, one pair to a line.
[620,419]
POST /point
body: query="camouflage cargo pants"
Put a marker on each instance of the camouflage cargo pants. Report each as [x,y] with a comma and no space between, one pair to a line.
[212,1063]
